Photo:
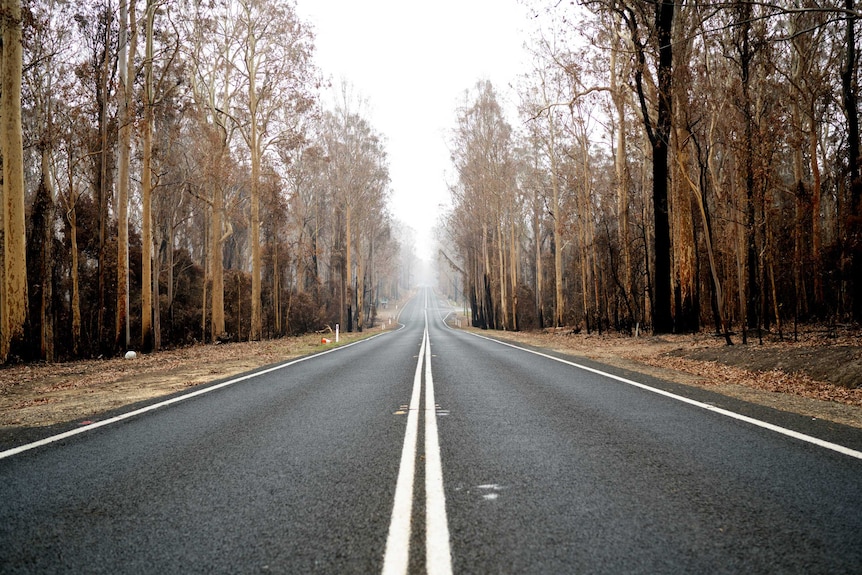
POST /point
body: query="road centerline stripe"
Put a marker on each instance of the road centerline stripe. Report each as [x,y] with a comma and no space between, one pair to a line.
[437,550]
[397,554]
[438,555]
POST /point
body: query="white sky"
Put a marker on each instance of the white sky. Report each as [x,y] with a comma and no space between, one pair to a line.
[412,62]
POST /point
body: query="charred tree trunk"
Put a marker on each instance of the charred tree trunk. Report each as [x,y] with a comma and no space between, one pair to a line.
[851,110]
[659,138]
[662,318]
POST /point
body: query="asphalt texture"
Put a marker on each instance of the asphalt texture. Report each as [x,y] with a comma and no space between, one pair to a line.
[546,469]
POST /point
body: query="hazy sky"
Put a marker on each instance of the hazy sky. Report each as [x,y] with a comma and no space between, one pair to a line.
[412,62]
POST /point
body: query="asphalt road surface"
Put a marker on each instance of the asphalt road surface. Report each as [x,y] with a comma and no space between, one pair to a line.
[434,450]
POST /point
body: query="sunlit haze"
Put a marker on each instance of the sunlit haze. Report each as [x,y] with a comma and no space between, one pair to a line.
[412,63]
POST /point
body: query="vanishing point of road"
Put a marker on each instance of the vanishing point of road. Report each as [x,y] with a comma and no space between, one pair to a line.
[429,449]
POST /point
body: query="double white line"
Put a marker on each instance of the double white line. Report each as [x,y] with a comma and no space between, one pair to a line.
[438,557]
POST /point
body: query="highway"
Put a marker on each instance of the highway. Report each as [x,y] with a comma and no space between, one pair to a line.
[429,449]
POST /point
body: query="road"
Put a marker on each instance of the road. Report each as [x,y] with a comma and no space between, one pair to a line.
[433,450]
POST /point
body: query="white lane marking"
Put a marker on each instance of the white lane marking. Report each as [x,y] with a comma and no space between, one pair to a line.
[153,407]
[438,555]
[738,416]
[397,554]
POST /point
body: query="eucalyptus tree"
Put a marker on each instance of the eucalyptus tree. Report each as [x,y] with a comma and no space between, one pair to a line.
[212,48]
[849,100]
[273,66]
[359,177]
[544,106]
[161,79]
[46,84]
[481,147]
[128,40]
[649,28]
[13,307]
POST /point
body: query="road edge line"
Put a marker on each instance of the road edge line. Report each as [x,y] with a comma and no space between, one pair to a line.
[177,399]
[732,414]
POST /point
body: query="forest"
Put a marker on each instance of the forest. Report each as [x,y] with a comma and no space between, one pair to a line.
[671,166]
[171,176]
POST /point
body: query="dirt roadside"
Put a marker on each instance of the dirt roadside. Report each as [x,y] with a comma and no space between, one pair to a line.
[818,376]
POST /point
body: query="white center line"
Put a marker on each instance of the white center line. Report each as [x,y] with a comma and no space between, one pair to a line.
[398,541]
[438,556]
[437,551]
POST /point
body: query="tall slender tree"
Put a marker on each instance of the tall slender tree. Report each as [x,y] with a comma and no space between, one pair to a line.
[14,310]
[128,48]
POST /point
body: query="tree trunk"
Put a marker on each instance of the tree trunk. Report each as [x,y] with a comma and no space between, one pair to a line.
[147,335]
[746,56]
[504,296]
[158,256]
[14,312]
[622,174]
[800,211]
[537,232]
[218,237]
[256,322]
[848,89]
[348,239]
[72,217]
[816,193]
[559,304]
[128,42]
[697,192]
[662,317]
[276,289]
[76,290]
[103,185]
[686,314]
[47,312]
[851,110]
[359,291]
[513,267]
[169,267]
[207,271]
